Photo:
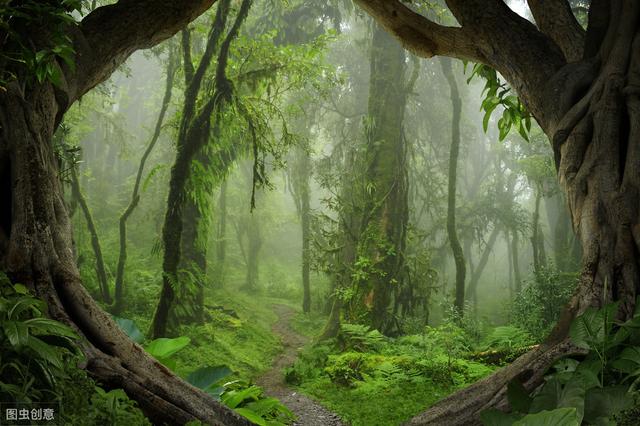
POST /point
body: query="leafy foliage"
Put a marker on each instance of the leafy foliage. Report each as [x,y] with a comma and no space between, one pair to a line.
[593,390]
[34,348]
[497,93]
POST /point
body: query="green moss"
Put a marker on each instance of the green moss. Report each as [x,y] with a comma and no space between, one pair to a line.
[245,344]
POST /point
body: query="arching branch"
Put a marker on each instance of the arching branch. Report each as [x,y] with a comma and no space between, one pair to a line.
[110,34]
[420,35]
[491,33]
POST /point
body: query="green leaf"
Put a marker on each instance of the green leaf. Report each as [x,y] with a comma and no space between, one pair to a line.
[163,347]
[253,417]
[518,396]
[558,417]
[234,398]
[130,328]
[606,402]
[205,377]
[16,332]
[555,395]
[591,329]
[493,417]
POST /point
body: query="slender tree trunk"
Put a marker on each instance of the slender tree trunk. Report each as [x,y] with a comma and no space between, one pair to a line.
[452,233]
[135,194]
[254,244]
[537,239]
[306,234]
[507,242]
[221,235]
[101,271]
[515,245]
[482,263]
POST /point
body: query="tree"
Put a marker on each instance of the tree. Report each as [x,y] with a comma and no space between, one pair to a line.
[135,193]
[581,87]
[193,134]
[452,232]
[36,246]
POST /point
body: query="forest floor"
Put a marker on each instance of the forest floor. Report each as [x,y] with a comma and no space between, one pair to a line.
[307,411]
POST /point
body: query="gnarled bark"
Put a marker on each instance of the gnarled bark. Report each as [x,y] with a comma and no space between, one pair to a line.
[37,249]
[590,109]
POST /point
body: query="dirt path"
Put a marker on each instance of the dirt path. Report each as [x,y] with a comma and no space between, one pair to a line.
[308,412]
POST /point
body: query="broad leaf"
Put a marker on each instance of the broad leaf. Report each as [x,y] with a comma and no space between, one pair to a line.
[205,377]
[163,347]
[554,395]
[606,402]
[558,417]
[518,396]
[493,417]
[253,417]
[130,328]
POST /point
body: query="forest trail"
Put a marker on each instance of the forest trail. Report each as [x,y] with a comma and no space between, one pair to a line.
[308,412]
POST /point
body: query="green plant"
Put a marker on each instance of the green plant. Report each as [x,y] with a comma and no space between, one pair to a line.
[34,349]
[359,338]
[537,306]
[592,390]
[507,338]
[249,401]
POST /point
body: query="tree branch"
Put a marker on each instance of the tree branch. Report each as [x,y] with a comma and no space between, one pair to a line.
[421,35]
[110,34]
[491,33]
[555,19]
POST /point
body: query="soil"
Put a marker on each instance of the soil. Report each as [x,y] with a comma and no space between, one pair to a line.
[307,411]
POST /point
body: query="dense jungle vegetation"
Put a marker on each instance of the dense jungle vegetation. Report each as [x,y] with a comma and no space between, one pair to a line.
[310,212]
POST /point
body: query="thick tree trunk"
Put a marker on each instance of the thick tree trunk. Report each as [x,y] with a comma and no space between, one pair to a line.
[383,236]
[452,232]
[40,256]
[597,154]
[101,271]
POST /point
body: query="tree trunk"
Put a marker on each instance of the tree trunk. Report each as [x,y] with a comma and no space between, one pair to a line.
[452,232]
[40,255]
[383,236]
[477,273]
[537,238]
[305,216]
[515,243]
[595,140]
[193,135]
[254,243]
[101,271]
[221,236]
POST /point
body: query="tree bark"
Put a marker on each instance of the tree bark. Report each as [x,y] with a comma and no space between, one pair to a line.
[452,232]
[383,235]
[40,256]
[590,109]
[193,135]
[39,250]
